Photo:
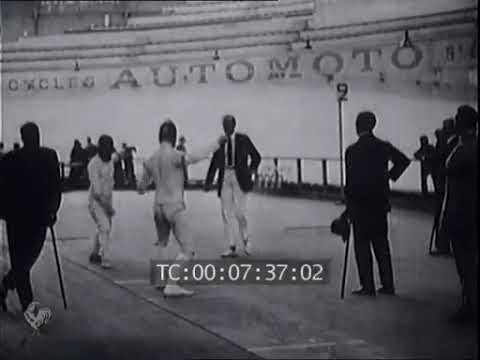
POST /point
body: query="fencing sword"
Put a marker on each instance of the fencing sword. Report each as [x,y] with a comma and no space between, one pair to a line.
[59,268]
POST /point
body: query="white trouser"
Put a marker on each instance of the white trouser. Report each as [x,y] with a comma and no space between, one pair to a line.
[101,240]
[234,209]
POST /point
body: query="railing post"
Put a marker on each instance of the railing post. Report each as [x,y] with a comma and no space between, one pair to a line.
[325,173]
[299,172]
[275,181]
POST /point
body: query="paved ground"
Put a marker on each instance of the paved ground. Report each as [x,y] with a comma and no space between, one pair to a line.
[117,313]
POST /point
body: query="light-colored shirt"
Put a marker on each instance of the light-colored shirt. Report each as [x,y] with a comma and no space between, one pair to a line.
[166,169]
[100,174]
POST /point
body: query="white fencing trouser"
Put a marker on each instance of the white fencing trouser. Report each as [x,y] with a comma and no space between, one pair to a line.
[168,218]
[234,208]
[101,241]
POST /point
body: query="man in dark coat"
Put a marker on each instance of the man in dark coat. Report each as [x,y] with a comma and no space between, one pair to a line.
[367,192]
[30,182]
[459,212]
[236,161]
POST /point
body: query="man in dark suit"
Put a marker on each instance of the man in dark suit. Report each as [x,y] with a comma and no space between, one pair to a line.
[426,155]
[459,213]
[236,161]
[367,191]
[30,183]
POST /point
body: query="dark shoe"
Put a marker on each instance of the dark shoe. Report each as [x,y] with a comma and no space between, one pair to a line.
[386,291]
[440,253]
[462,316]
[3,298]
[364,292]
[95,259]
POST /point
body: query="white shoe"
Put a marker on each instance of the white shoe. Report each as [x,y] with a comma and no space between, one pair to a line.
[176,291]
[230,253]
[37,317]
[247,247]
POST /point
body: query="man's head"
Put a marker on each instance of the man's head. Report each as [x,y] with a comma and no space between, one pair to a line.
[1,146]
[89,140]
[229,124]
[424,140]
[30,134]
[182,140]
[466,120]
[124,145]
[105,147]
[366,122]
[168,132]
[449,127]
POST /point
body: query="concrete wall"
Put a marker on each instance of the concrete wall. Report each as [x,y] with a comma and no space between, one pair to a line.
[295,116]
[285,117]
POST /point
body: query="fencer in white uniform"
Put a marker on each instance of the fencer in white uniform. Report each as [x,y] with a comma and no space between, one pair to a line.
[166,169]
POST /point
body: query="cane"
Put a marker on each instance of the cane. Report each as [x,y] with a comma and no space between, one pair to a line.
[433,234]
[346,239]
[59,268]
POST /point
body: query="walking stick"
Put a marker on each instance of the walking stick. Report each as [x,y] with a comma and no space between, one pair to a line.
[345,263]
[433,234]
[59,269]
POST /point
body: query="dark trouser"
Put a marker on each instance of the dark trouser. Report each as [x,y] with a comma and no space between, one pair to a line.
[424,180]
[466,258]
[25,242]
[371,229]
[442,238]
[129,172]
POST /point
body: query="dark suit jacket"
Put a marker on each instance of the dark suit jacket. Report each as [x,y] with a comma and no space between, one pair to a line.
[244,149]
[367,185]
[460,213]
[30,186]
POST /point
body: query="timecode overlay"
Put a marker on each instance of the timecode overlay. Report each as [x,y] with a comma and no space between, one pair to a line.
[241,272]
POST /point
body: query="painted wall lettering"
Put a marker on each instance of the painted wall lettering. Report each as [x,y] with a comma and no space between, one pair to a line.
[247,67]
[126,77]
[279,70]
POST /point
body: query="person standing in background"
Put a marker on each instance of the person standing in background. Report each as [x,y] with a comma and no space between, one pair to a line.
[181,147]
[128,166]
[118,173]
[439,168]
[459,211]
[442,240]
[100,200]
[451,136]
[367,191]
[236,161]
[77,159]
[31,191]
[90,149]
[426,156]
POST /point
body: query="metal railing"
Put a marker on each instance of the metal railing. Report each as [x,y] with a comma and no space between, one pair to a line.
[275,172]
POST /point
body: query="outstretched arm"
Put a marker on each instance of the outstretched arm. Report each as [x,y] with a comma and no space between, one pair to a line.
[197,156]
